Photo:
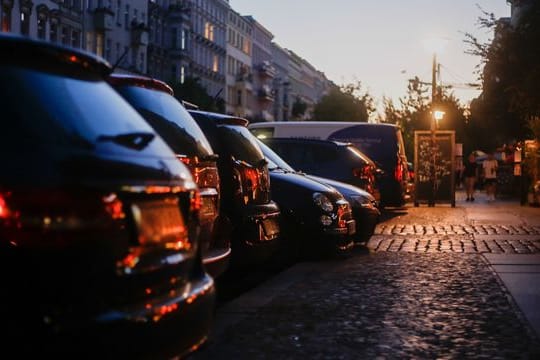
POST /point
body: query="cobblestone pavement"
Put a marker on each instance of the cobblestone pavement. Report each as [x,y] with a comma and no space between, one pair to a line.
[421,289]
[383,305]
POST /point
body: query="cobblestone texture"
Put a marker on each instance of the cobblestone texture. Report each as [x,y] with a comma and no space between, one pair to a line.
[385,306]
[497,239]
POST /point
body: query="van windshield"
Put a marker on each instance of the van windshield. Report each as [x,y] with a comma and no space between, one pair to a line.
[377,142]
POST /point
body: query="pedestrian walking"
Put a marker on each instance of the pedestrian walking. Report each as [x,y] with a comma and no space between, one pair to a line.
[470,172]
[490,167]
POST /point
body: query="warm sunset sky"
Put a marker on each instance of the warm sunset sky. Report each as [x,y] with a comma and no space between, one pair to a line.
[379,42]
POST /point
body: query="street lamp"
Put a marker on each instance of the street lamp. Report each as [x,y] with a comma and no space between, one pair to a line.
[435,45]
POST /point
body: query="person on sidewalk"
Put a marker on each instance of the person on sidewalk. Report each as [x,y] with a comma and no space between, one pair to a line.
[490,166]
[470,172]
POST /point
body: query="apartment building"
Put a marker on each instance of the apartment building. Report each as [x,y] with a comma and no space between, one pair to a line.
[263,71]
[108,28]
[239,94]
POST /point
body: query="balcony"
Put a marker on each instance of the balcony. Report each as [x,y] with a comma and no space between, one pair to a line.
[139,34]
[244,80]
[179,12]
[266,70]
[265,93]
[103,19]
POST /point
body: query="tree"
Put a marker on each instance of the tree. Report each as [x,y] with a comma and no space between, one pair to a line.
[192,91]
[345,103]
[510,76]
[414,113]
[298,108]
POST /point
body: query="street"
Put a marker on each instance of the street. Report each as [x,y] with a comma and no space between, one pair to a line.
[442,282]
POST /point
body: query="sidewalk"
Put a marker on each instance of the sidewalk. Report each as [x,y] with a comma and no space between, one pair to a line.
[520,273]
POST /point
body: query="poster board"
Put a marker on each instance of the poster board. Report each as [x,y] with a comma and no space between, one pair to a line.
[432,187]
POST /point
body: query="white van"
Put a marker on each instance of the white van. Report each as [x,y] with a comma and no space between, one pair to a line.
[383,143]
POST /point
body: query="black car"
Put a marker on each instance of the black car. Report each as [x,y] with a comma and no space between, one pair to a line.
[154,100]
[245,188]
[329,159]
[315,218]
[364,206]
[98,220]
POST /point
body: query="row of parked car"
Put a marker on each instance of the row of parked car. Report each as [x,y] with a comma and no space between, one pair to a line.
[119,207]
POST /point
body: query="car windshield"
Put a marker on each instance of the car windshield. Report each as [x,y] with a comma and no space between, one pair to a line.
[170,119]
[274,160]
[242,144]
[67,118]
[357,153]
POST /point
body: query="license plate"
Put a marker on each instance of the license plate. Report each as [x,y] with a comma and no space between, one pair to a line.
[351,227]
[159,222]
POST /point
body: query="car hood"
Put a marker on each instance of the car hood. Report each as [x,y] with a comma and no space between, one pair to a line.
[344,188]
[287,184]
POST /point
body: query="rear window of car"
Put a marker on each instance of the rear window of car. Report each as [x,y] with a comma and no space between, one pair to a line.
[54,109]
[241,144]
[170,120]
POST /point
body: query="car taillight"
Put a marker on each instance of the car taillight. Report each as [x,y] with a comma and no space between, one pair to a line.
[195,201]
[398,174]
[363,172]
[248,179]
[53,217]
[205,174]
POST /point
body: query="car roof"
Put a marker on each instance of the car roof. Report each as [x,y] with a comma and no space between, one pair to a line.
[221,119]
[309,140]
[30,52]
[140,81]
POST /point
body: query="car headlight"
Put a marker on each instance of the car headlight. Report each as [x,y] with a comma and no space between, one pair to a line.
[323,202]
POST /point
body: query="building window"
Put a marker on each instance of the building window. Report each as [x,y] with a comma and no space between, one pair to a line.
[209,31]
[89,41]
[119,13]
[126,17]
[182,74]
[76,38]
[99,44]
[65,37]
[6,19]
[215,64]
[53,31]
[239,97]
[173,73]
[108,49]
[42,24]
[183,39]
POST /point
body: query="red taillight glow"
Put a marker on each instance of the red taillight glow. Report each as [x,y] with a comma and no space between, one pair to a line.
[341,222]
[196,201]
[114,207]
[4,210]
[398,175]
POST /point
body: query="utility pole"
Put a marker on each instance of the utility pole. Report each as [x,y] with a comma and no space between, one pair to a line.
[433,128]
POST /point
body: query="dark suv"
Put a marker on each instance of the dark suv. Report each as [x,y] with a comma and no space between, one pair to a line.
[98,220]
[154,100]
[329,159]
[245,188]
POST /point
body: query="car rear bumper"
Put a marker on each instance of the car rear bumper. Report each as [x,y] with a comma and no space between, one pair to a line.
[257,237]
[175,324]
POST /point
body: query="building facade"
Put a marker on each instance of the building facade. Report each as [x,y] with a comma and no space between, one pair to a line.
[263,72]
[106,28]
[239,98]
[231,55]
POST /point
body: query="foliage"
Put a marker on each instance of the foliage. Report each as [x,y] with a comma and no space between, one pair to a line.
[192,91]
[414,113]
[510,76]
[347,103]
[298,108]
